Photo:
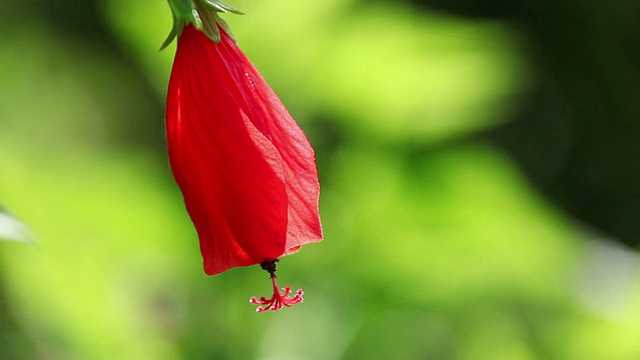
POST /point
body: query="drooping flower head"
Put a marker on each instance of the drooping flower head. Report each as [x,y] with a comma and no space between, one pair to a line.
[246,170]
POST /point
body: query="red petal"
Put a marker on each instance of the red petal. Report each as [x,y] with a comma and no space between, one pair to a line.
[246,170]
[271,117]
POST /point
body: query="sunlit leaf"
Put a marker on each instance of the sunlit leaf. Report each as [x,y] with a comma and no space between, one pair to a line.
[11,229]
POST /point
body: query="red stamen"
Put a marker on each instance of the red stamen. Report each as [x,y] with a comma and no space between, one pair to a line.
[278,300]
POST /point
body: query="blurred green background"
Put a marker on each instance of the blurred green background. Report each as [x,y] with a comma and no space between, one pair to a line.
[478,161]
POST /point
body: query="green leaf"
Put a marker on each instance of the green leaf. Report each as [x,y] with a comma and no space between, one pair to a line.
[12,229]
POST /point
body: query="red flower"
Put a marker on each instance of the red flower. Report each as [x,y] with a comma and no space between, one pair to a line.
[246,170]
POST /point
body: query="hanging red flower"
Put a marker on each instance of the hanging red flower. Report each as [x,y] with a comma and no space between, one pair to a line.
[246,170]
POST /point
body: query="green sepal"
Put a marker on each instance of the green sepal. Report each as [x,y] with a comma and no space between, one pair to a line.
[177,29]
[226,28]
[203,14]
[210,24]
[219,6]
[186,10]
